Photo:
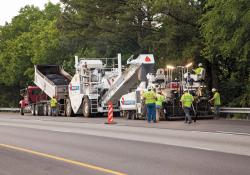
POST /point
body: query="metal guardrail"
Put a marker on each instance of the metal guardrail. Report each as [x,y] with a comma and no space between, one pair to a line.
[229,110]
[234,110]
[9,109]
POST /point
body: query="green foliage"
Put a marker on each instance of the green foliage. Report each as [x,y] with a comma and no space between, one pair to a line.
[31,38]
[225,27]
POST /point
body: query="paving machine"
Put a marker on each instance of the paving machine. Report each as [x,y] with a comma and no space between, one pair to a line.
[132,105]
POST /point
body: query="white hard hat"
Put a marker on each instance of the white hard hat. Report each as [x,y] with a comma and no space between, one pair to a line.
[185,90]
[200,64]
[213,90]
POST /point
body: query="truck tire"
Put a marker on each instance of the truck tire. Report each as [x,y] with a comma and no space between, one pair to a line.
[133,115]
[45,109]
[22,111]
[38,110]
[86,110]
[33,109]
[126,115]
[49,110]
[69,110]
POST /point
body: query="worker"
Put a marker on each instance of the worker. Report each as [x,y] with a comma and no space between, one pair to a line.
[86,73]
[159,100]
[53,105]
[150,98]
[217,102]
[85,65]
[200,72]
[189,80]
[186,101]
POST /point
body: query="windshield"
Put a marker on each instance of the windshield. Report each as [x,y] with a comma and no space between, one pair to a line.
[36,91]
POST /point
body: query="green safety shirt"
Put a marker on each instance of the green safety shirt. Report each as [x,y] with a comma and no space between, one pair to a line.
[53,102]
[187,99]
[217,99]
[198,70]
[159,100]
[149,96]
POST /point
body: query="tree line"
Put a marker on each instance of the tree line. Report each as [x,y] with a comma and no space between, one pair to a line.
[213,32]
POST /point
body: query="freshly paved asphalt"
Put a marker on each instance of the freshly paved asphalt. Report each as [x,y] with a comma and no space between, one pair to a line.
[130,147]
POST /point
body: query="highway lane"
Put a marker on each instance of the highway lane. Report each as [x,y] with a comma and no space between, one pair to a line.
[14,162]
[235,126]
[131,150]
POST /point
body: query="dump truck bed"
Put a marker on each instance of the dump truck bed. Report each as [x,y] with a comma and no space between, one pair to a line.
[52,80]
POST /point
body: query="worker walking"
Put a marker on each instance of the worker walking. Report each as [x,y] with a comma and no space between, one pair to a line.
[53,105]
[217,102]
[186,101]
[159,100]
[150,98]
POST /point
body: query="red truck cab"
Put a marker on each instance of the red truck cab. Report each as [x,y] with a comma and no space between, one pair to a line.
[31,95]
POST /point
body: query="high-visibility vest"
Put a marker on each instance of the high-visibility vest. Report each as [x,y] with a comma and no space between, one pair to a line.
[159,100]
[150,97]
[53,102]
[217,99]
[198,70]
[187,99]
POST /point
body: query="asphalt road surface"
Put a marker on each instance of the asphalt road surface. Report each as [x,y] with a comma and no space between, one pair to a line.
[59,145]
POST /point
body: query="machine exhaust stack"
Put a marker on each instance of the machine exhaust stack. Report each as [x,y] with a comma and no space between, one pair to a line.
[119,64]
[76,63]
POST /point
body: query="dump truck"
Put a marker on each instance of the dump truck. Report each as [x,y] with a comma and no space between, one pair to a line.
[51,81]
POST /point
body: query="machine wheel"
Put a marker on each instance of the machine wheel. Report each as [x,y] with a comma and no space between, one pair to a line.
[22,111]
[126,115]
[49,110]
[33,109]
[69,110]
[133,115]
[45,109]
[86,107]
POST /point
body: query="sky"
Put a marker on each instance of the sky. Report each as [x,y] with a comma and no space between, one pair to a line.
[10,8]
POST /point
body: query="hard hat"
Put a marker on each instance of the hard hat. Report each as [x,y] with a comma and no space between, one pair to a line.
[150,88]
[213,90]
[200,64]
[185,90]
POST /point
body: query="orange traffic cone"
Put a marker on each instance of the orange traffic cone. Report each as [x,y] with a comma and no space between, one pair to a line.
[110,114]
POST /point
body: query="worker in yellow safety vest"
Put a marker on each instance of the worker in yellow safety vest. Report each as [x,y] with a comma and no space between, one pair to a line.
[159,100]
[200,72]
[53,105]
[150,98]
[217,102]
[186,101]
